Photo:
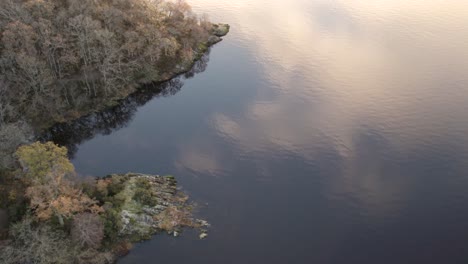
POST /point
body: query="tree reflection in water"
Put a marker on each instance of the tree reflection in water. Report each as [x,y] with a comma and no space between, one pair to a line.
[73,133]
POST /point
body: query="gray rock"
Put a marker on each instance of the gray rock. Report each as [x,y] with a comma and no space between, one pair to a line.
[203,223]
[220,30]
[140,221]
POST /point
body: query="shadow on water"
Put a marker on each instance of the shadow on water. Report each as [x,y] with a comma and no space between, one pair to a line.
[72,134]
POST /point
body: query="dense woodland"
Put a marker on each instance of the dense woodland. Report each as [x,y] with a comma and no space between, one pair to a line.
[54,54]
[62,59]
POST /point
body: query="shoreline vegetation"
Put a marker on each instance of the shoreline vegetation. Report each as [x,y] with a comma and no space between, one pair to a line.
[59,217]
[64,59]
[61,60]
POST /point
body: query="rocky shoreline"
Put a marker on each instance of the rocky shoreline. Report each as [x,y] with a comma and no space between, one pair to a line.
[133,207]
[144,218]
[146,205]
[86,220]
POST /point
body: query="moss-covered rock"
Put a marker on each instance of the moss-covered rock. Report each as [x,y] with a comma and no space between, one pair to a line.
[220,30]
[120,209]
[139,206]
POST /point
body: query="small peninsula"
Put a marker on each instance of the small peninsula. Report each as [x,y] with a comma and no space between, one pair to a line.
[59,217]
[62,60]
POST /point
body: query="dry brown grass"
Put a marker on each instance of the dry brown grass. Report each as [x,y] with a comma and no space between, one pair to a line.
[173,218]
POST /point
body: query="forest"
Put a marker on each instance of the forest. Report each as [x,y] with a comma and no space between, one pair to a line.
[71,50]
[64,59]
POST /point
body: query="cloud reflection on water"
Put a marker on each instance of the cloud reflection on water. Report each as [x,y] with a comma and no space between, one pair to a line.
[342,68]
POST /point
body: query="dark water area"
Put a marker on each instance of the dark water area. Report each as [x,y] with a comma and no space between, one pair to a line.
[72,134]
[320,131]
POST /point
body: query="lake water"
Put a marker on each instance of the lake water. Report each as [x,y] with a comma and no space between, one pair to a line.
[321,131]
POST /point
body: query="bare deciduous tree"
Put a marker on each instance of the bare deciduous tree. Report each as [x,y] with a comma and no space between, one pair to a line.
[87,230]
[37,244]
[59,57]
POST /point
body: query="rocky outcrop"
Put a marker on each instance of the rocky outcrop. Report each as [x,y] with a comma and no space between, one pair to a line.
[151,204]
[218,31]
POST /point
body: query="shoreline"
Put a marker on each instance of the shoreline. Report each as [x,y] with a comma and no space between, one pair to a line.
[217,33]
[145,205]
[27,132]
[152,205]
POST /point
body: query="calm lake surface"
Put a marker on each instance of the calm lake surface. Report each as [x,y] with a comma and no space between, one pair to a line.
[321,131]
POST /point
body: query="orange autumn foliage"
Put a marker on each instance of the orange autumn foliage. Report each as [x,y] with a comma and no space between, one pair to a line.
[51,190]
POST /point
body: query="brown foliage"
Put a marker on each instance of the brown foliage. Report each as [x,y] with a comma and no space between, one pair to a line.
[173,218]
[123,248]
[61,55]
[87,230]
[63,202]
[50,192]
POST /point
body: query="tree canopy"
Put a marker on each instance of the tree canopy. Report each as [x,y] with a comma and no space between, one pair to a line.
[68,219]
[56,54]
[50,192]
